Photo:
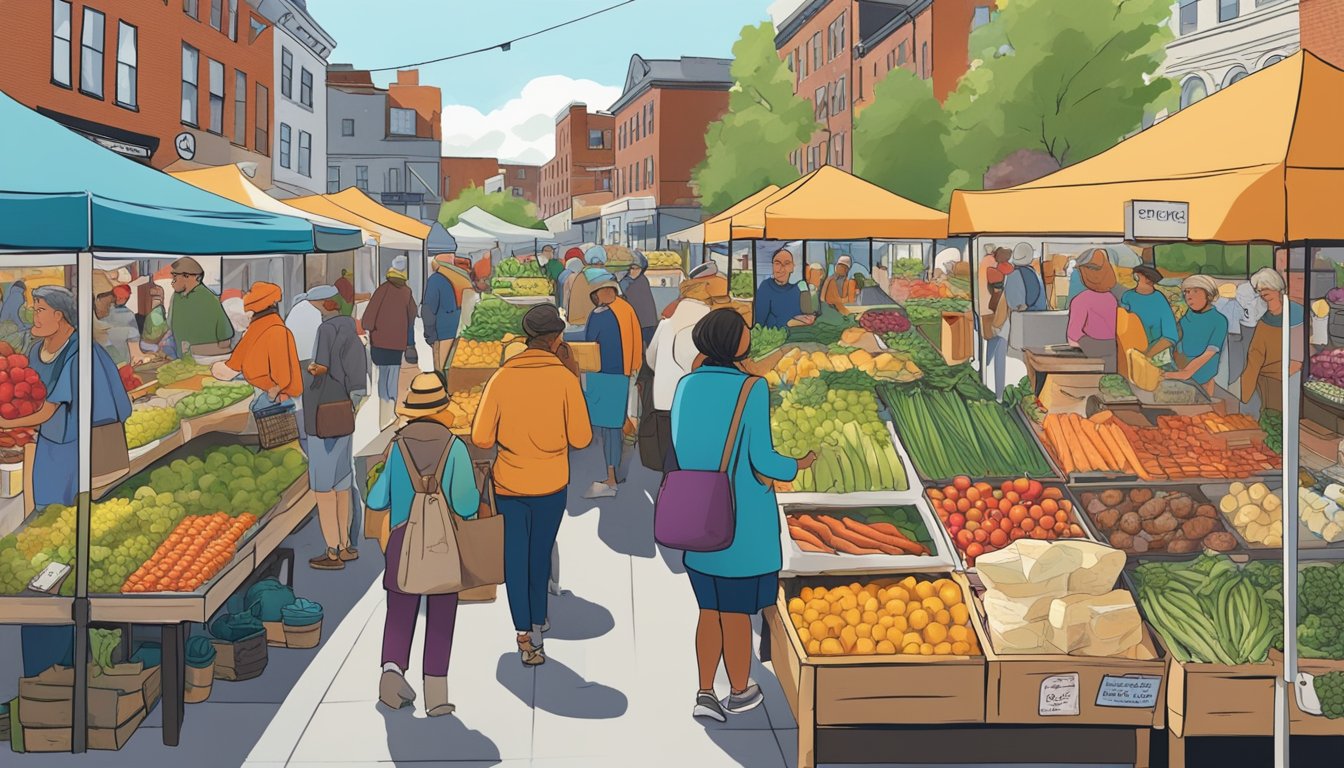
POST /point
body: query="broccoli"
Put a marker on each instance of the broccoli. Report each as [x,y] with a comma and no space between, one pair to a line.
[1330,691]
[1319,637]
[1319,591]
[1266,575]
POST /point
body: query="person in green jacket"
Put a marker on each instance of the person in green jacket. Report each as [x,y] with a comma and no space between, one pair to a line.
[196,317]
[549,265]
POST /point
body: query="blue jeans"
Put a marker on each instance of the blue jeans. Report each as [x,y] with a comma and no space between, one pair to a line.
[387,382]
[530,526]
[613,440]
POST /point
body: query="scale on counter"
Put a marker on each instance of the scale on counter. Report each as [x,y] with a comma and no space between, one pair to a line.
[51,578]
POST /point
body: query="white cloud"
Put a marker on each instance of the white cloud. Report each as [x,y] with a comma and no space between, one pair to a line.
[523,130]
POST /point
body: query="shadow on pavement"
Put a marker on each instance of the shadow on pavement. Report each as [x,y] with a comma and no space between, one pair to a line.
[625,523]
[574,618]
[557,689]
[414,740]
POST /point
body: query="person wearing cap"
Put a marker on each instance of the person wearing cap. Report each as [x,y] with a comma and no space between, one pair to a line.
[838,290]
[196,316]
[265,356]
[672,354]
[1263,373]
[1092,313]
[1152,308]
[428,440]
[1023,288]
[389,320]
[114,325]
[534,412]
[636,290]
[778,302]
[441,310]
[1203,331]
[339,373]
[614,326]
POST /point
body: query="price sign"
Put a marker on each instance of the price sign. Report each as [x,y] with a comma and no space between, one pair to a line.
[1129,691]
[1059,696]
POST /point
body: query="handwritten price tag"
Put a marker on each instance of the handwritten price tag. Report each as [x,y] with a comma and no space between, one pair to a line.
[1129,691]
[1059,696]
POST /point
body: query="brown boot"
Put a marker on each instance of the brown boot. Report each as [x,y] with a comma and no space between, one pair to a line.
[436,697]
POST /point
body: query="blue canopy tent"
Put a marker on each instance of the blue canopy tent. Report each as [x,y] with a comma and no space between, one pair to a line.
[63,198]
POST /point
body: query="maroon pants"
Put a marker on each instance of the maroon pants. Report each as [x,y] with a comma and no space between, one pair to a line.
[403,610]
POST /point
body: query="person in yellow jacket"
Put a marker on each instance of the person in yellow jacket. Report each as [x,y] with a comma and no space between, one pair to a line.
[266,356]
[533,410]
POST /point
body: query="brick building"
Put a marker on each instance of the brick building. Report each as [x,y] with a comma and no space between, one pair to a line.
[839,50]
[584,155]
[655,156]
[523,181]
[519,180]
[177,85]
[1323,29]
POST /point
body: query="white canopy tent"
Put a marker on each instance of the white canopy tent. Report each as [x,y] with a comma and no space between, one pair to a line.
[477,229]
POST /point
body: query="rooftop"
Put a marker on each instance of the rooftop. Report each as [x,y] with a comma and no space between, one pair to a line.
[692,72]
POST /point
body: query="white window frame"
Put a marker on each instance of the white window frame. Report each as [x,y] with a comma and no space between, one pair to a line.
[216,73]
[191,86]
[128,59]
[305,87]
[396,117]
[286,73]
[348,121]
[61,11]
[286,145]
[88,54]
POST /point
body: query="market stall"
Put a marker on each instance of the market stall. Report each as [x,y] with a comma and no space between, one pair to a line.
[151,524]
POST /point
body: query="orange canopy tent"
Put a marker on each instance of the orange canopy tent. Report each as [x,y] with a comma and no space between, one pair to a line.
[1260,161]
[828,204]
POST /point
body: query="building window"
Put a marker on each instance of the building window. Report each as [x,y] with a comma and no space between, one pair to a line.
[980,17]
[594,139]
[362,177]
[263,120]
[216,97]
[333,179]
[60,42]
[1189,16]
[402,121]
[190,77]
[306,88]
[839,149]
[517,191]
[606,183]
[648,171]
[239,108]
[1272,60]
[901,55]
[255,28]
[233,20]
[217,14]
[816,52]
[788,62]
[393,180]
[284,145]
[305,153]
[841,95]
[836,38]
[1234,76]
[347,126]
[1228,9]
[821,102]
[192,9]
[606,139]
[650,117]
[1193,90]
[800,56]
[521,173]
[91,44]
[811,159]
[127,62]
[286,73]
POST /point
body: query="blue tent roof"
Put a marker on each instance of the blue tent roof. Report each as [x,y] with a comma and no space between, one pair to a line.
[61,192]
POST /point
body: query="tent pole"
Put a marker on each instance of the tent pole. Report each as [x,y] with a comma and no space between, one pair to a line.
[1283,688]
[80,703]
[753,265]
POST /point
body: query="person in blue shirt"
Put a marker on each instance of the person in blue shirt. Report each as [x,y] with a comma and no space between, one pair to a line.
[779,302]
[1152,309]
[1023,288]
[1203,332]
[742,579]
[440,312]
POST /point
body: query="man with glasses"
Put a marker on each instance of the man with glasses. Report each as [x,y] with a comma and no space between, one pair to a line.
[779,302]
[196,317]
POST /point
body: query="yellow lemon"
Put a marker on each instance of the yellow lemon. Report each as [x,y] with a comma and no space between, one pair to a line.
[935,633]
[810,615]
[958,634]
[813,647]
[818,592]
[864,630]
[796,605]
[899,623]
[806,594]
[797,620]
[817,629]
[942,649]
[895,607]
[849,602]
[848,636]
[961,649]
[899,593]
[932,604]
[865,646]
[959,613]
[943,617]
[837,608]
[879,633]
[911,638]
[924,589]
[950,594]
[885,647]
[804,636]
[926,649]
[869,617]
[871,604]
[908,584]
[888,621]
[919,619]
[831,647]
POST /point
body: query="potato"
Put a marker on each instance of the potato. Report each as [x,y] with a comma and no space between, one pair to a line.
[1140,545]
[1229,504]
[1122,540]
[1140,495]
[1153,508]
[1237,489]
[1107,519]
[1197,528]
[1206,510]
[1181,505]
[1162,524]
[1131,523]
[1183,546]
[1258,491]
[1220,541]
[1112,497]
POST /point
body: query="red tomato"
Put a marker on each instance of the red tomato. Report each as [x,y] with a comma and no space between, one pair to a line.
[32,376]
[957,520]
[23,390]
[26,408]
[8,411]
[37,391]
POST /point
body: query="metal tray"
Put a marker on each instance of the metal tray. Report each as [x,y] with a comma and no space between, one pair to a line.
[1192,489]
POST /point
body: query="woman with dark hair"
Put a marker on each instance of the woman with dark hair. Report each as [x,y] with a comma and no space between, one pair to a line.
[732,584]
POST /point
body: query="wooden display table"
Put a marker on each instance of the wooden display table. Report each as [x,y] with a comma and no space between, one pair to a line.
[1042,362]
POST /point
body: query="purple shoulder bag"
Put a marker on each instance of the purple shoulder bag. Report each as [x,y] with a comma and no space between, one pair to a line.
[695,511]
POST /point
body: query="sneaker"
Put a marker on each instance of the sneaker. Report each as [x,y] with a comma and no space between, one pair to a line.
[708,706]
[599,491]
[327,561]
[394,691]
[348,554]
[747,700]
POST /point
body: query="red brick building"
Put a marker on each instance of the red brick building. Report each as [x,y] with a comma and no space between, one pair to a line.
[459,173]
[839,50]
[523,181]
[584,154]
[177,84]
[1323,28]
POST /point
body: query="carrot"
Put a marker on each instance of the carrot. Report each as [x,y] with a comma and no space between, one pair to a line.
[1090,452]
[1101,417]
[911,546]
[1107,437]
[850,548]
[1094,434]
[843,534]
[816,528]
[803,545]
[900,543]
[1128,449]
[1056,435]
[803,536]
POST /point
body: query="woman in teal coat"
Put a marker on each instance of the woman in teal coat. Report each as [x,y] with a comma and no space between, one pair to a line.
[733,583]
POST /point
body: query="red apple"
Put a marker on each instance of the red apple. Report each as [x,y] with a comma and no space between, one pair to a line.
[8,411]
[17,361]
[957,520]
[26,408]
[38,392]
[6,393]
[31,376]
[23,390]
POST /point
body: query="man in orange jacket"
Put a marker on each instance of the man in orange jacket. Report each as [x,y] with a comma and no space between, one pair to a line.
[266,355]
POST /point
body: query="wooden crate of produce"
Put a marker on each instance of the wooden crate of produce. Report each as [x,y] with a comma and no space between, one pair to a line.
[1059,689]
[876,690]
[1301,723]
[1219,699]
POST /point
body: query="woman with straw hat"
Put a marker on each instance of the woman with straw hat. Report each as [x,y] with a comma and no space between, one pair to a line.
[427,438]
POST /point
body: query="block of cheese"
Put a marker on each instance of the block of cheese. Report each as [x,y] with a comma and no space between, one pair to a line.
[1030,637]
[1026,562]
[1095,625]
[1099,570]
[1005,610]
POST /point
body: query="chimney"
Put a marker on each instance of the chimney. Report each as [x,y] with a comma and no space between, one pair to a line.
[408,77]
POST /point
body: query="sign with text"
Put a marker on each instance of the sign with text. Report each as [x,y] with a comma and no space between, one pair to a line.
[1059,696]
[1131,691]
[1156,220]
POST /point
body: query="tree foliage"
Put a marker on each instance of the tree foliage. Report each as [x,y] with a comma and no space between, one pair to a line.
[1063,77]
[748,148]
[515,210]
[899,140]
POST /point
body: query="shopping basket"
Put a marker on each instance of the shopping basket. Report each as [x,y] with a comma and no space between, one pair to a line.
[277,425]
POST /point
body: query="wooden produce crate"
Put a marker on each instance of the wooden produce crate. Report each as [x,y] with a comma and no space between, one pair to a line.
[1217,700]
[465,378]
[1301,723]
[845,692]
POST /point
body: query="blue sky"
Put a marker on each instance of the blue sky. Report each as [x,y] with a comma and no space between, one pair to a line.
[494,101]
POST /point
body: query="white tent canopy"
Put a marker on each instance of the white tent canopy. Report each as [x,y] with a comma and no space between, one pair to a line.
[694,235]
[478,227]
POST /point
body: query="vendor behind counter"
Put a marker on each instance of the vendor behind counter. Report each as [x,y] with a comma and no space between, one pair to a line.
[1092,313]
[1263,373]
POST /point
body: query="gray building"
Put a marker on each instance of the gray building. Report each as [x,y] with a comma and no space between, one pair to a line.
[386,141]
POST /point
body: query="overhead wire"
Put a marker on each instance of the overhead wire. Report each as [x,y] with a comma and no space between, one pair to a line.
[507,44]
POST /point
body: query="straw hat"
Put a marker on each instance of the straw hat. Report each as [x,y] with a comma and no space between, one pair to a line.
[427,397]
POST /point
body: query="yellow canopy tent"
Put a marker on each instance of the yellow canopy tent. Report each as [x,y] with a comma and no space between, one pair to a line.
[229,182]
[828,204]
[386,236]
[1259,161]
[353,199]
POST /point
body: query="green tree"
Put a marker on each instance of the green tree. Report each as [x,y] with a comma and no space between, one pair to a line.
[1063,78]
[748,148]
[514,210]
[899,140]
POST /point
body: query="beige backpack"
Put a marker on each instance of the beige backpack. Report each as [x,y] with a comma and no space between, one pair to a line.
[431,561]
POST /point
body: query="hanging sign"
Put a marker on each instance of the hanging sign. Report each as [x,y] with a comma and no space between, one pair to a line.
[186,145]
[1156,220]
